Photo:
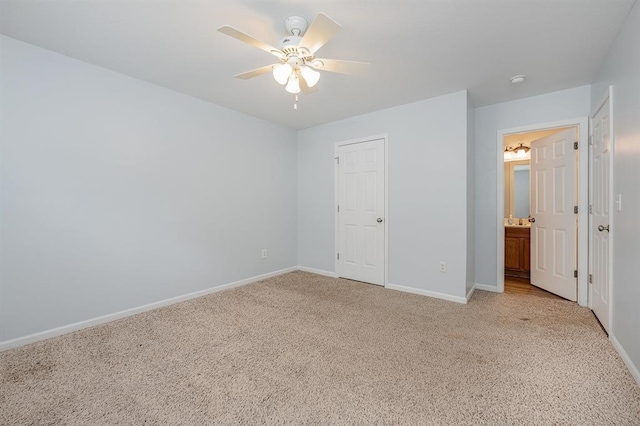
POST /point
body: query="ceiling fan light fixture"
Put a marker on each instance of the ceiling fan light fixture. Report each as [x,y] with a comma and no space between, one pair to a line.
[310,75]
[293,86]
[282,72]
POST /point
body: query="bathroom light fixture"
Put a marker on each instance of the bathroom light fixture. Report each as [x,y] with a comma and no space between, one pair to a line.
[520,152]
[508,155]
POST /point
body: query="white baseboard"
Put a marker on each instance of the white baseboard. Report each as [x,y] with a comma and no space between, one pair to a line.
[421,292]
[470,293]
[65,329]
[317,271]
[625,357]
[486,287]
[399,287]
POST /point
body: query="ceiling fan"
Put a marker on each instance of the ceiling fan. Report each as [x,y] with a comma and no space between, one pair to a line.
[298,68]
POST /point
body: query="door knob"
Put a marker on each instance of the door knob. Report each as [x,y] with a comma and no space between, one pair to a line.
[532,219]
[379,220]
[603,228]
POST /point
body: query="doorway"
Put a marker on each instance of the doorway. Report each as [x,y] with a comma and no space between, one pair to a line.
[540,225]
[361,210]
[508,219]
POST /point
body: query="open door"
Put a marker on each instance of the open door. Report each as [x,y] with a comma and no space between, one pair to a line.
[553,220]
[600,199]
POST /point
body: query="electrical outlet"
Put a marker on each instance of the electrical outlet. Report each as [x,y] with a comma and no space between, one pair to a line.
[443,266]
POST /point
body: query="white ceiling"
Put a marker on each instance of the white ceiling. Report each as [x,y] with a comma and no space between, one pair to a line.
[418,49]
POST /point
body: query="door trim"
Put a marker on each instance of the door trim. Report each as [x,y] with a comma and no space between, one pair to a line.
[583,199]
[608,96]
[385,138]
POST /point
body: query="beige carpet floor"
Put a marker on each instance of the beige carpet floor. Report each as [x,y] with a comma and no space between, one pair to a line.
[302,348]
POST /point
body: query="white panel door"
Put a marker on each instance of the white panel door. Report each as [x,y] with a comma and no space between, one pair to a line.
[553,227]
[600,157]
[361,212]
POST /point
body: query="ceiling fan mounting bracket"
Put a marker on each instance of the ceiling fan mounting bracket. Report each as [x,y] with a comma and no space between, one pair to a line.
[296,25]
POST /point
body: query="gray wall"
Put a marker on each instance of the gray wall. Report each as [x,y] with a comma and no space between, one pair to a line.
[621,69]
[562,105]
[117,193]
[427,191]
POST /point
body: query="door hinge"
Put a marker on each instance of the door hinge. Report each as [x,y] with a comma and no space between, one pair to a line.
[575,273]
[575,145]
[575,209]
[338,208]
[590,278]
[590,208]
[338,160]
[338,256]
[590,140]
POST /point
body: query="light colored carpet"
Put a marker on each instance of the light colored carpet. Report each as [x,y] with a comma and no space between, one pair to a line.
[302,348]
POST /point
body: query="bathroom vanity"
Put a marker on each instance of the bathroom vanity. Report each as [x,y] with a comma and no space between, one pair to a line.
[517,240]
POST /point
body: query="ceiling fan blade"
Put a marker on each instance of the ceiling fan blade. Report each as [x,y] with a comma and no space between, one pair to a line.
[256,72]
[339,66]
[239,35]
[320,31]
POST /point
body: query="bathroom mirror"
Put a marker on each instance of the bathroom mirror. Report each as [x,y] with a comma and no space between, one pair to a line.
[516,191]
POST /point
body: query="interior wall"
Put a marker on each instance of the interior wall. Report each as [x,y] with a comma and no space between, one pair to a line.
[621,69]
[427,191]
[556,106]
[117,193]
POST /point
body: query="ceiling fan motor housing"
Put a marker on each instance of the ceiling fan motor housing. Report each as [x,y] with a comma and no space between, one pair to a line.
[289,41]
[296,25]
[290,45]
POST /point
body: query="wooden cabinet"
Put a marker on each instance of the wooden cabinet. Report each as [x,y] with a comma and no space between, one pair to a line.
[516,252]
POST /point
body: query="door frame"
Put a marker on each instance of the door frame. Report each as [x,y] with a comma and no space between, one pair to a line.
[385,138]
[582,123]
[608,96]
